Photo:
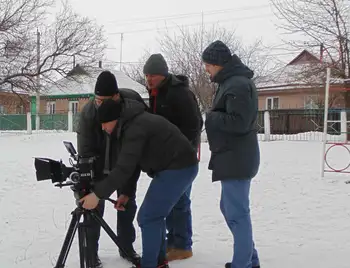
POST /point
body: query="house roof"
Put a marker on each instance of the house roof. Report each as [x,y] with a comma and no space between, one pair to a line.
[81,80]
[304,56]
[304,70]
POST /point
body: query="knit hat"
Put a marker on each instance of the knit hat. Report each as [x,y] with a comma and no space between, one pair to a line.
[106,84]
[109,110]
[217,53]
[156,65]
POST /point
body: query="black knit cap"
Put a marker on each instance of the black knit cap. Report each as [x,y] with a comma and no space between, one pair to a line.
[156,65]
[109,110]
[106,84]
[217,53]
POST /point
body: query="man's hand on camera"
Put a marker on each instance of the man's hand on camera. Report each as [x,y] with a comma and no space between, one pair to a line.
[90,201]
[121,202]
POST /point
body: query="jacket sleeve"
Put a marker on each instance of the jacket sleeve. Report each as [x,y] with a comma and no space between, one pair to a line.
[86,134]
[134,139]
[130,186]
[187,112]
[237,116]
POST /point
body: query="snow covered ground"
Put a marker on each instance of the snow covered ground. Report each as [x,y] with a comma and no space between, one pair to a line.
[300,220]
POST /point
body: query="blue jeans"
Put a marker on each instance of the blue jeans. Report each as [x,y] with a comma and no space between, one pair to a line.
[164,192]
[234,205]
[179,223]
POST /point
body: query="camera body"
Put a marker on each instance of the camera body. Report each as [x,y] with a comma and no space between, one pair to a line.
[81,175]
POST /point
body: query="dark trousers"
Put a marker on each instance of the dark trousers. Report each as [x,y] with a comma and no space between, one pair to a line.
[125,226]
[162,195]
[179,221]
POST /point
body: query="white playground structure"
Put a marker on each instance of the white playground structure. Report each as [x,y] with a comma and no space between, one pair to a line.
[345,144]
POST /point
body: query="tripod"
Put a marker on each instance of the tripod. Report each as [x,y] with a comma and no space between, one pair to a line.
[85,253]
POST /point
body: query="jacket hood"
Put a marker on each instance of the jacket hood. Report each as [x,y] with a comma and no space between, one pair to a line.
[180,80]
[235,67]
[131,109]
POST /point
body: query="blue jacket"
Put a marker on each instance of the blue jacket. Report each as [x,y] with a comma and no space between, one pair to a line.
[231,124]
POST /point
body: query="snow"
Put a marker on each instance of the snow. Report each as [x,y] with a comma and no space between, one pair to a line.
[299,219]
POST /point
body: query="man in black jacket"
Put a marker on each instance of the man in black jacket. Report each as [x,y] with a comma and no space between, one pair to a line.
[171,98]
[92,141]
[232,138]
[160,149]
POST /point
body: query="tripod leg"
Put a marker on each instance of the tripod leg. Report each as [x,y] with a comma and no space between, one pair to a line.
[76,215]
[82,238]
[110,232]
[87,246]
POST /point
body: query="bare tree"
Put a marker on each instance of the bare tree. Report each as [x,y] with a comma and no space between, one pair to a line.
[183,52]
[25,27]
[135,71]
[324,24]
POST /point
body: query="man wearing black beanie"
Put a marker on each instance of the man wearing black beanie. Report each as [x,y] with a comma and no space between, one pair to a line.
[171,97]
[162,151]
[92,141]
[232,138]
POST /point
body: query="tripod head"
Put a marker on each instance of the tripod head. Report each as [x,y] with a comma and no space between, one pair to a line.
[80,176]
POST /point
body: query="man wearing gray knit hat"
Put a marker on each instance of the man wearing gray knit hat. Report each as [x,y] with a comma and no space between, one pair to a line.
[232,138]
[171,97]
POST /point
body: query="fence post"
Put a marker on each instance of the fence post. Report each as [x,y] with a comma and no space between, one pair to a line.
[70,121]
[29,123]
[343,126]
[267,126]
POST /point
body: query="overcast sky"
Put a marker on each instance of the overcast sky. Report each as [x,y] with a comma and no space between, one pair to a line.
[142,22]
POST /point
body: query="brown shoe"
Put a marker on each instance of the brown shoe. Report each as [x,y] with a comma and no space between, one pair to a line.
[179,254]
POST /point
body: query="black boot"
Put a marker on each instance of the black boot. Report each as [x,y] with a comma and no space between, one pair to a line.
[160,265]
[96,262]
[130,255]
[228,265]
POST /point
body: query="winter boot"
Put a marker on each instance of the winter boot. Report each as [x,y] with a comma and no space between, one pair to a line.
[160,265]
[228,265]
[96,262]
[130,255]
[178,254]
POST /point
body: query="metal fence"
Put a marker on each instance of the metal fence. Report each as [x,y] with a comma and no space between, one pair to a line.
[286,124]
[302,124]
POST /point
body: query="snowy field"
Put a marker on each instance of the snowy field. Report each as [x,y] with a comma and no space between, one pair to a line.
[299,219]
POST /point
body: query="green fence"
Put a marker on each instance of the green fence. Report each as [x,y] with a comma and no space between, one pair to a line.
[13,122]
[47,122]
[52,122]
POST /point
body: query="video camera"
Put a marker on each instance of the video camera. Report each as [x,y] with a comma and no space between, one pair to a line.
[81,174]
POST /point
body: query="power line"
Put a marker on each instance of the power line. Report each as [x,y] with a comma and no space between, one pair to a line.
[189,25]
[262,55]
[185,15]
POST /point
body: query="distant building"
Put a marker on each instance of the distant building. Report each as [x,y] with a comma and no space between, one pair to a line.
[13,103]
[74,91]
[298,85]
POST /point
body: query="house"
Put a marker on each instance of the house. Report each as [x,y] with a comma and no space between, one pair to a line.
[13,102]
[299,85]
[74,91]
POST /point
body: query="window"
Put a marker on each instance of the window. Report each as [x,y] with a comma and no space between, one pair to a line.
[73,106]
[311,102]
[51,107]
[272,103]
[19,109]
[2,109]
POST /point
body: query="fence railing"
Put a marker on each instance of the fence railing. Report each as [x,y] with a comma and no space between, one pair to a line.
[295,124]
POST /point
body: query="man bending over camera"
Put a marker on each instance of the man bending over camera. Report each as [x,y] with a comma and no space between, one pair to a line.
[93,141]
[163,152]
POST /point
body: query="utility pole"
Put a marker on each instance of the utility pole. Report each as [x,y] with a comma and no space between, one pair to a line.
[202,33]
[121,50]
[37,118]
